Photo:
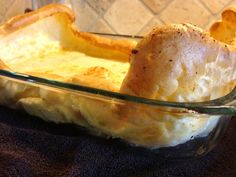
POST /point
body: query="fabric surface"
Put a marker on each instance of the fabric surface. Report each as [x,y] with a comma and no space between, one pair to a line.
[31,147]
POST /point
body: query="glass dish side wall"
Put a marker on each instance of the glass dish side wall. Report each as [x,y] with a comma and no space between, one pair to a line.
[171,132]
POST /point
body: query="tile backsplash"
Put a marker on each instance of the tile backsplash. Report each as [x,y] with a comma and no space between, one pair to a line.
[134,17]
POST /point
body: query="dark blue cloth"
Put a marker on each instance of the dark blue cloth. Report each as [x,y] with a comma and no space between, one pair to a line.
[31,147]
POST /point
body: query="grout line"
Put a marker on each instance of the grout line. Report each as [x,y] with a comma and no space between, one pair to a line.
[212,15]
[149,10]
[167,5]
[149,21]
[107,22]
[153,18]
[7,13]
[163,22]
[228,4]
[160,13]
[101,16]
[113,29]
[93,20]
[91,7]
[147,7]
[206,7]
[219,11]
[108,8]
[158,17]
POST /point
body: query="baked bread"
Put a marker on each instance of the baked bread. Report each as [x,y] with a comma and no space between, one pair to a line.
[46,43]
[224,30]
[181,63]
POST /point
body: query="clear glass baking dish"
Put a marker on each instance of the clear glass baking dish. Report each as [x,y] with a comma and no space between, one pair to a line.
[110,110]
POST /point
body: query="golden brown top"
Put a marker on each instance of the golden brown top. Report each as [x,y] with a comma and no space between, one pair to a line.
[21,21]
[224,30]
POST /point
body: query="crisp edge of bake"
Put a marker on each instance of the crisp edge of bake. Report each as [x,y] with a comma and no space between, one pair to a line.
[21,21]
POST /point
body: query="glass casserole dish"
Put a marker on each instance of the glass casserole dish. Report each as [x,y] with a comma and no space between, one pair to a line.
[168,128]
[195,146]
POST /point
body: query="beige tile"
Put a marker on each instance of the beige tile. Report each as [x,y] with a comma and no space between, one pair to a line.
[28,4]
[100,6]
[128,17]
[152,24]
[232,3]
[40,3]
[156,5]
[101,26]
[1,19]
[85,15]
[4,6]
[182,11]
[12,9]
[215,5]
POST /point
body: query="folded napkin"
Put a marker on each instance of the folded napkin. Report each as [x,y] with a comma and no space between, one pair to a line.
[30,147]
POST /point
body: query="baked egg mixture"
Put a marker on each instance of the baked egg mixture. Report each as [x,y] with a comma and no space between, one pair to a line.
[56,52]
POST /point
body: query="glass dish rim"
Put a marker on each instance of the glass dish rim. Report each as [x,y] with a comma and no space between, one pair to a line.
[211,107]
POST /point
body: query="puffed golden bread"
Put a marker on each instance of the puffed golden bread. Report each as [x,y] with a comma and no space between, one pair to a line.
[224,30]
[46,43]
[173,63]
[181,63]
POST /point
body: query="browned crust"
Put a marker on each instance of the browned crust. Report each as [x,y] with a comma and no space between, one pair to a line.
[124,46]
[21,21]
[215,26]
[224,29]
[229,14]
